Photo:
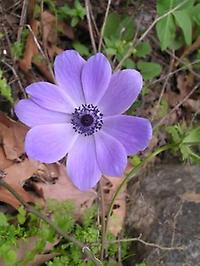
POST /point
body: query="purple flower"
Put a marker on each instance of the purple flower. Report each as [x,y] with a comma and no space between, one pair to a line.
[81,117]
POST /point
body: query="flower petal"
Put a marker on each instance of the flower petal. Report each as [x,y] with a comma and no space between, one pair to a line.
[122,91]
[111,155]
[68,67]
[32,114]
[49,143]
[133,132]
[49,96]
[96,76]
[82,165]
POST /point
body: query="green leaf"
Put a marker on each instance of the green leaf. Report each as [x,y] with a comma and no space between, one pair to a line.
[112,25]
[118,27]
[193,137]
[126,28]
[81,48]
[3,220]
[184,22]
[128,63]
[21,216]
[149,70]
[166,30]
[74,21]
[143,49]
[5,89]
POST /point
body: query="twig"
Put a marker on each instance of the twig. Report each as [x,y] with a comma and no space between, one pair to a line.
[174,72]
[178,105]
[162,90]
[87,6]
[138,239]
[175,222]
[102,219]
[22,19]
[16,76]
[85,249]
[104,24]
[130,49]
[158,19]
[148,30]
[41,51]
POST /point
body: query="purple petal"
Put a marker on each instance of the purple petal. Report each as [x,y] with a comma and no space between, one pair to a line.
[68,67]
[32,114]
[111,155]
[123,90]
[49,143]
[82,165]
[49,96]
[133,132]
[96,76]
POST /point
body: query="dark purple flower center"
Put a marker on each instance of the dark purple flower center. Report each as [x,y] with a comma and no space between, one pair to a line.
[87,119]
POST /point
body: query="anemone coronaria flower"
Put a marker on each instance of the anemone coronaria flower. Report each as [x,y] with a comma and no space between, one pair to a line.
[81,116]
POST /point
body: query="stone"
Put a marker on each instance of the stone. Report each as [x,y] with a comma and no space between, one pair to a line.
[164,208]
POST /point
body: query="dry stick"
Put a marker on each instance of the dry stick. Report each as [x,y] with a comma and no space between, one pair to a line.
[85,249]
[148,30]
[87,6]
[10,52]
[104,24]
[178,105]
[16,76]
[182,62]
[163,90]
[138,239]
[102,219]
[22,19]
[130,48]
[41,51]
[174,72]
[158,19]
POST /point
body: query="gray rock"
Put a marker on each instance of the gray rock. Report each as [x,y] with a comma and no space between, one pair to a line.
[165,208]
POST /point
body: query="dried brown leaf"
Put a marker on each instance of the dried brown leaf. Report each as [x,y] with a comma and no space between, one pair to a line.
[12,136]
[63,189]
[16,174]
[31,49]
[110,185]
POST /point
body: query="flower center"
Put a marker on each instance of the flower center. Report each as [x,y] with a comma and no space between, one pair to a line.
[87,119]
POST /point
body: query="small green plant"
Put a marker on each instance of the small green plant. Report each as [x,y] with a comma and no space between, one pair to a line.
[63,214]
[179,27]
[5,89]
[75,13]
[118,37]
[186,141]
[19,46]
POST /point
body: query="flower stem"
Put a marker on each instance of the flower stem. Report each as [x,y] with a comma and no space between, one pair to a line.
[85,249]
[103,224]
[129,176]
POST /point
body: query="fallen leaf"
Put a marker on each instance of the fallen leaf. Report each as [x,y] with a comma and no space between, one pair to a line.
[62,189]
[12,136]
[16,174]
[116,221]
[31,47]
[26,245]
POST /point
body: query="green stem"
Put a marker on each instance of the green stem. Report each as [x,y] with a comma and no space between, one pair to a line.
[85,249]
[130,175]
[103,224]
